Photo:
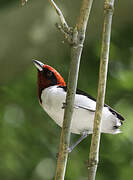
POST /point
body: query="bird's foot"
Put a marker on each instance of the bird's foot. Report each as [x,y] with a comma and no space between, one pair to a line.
[83,136]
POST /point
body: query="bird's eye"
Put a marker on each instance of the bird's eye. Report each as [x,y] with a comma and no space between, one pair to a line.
[49,74]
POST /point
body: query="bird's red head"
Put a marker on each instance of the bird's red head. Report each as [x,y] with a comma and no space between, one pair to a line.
[47,76]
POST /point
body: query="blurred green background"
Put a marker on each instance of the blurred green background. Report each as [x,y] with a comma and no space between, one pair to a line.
[29,139]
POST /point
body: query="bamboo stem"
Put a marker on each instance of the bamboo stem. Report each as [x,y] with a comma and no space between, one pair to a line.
[95,142]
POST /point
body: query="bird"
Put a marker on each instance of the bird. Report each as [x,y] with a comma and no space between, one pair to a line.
[52,92]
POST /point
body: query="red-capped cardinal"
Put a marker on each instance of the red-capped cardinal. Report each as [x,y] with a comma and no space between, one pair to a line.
[52,94]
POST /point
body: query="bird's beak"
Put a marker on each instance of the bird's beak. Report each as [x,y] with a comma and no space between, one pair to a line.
[39,65]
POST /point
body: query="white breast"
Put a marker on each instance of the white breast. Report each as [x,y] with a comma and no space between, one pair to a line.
[52,102]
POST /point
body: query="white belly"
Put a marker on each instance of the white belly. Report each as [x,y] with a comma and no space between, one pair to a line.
[82,120]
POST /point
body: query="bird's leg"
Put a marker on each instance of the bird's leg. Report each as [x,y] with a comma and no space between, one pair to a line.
[83,136]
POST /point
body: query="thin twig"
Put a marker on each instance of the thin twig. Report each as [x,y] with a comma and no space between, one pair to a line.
[60,14]
[63,28]
[95,142]
[76,50]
